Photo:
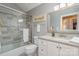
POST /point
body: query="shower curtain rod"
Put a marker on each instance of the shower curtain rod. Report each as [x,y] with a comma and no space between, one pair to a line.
[11,9]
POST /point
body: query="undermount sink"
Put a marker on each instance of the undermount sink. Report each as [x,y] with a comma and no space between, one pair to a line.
[66,37]
[75,40]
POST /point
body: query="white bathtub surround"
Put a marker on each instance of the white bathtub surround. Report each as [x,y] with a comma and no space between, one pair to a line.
[14,52]
[22,51]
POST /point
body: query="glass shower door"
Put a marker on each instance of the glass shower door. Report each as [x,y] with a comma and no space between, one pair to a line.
[10,33]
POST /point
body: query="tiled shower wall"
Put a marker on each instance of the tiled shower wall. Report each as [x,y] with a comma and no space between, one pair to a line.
[11,31]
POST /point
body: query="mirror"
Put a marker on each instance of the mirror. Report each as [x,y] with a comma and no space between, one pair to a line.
[65,20]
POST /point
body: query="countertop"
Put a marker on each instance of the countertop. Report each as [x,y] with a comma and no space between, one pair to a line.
[61,40]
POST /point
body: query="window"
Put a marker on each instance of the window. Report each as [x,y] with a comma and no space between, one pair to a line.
[70,4]
[62,5]
[56,7]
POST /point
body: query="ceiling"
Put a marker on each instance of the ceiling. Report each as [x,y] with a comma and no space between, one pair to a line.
[21,7]
[27,6]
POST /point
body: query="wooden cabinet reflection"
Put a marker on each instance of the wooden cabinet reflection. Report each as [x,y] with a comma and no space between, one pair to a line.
[69,22]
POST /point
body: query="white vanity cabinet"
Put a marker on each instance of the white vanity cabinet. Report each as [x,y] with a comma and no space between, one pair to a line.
[42,48]
[67,50]
[50,48]
[53,49]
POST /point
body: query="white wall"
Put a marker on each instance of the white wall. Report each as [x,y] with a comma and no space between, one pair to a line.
[42,9]
[14,52]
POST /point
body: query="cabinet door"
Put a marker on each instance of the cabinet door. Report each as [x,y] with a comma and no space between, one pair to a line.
[67,50]
[42,49]
[53,49]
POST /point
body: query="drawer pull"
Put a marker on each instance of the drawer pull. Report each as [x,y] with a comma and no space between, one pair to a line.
[57,46]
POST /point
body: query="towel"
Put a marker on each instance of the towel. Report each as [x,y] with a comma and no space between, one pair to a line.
[26,35]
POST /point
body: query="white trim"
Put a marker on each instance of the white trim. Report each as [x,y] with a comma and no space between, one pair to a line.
[66,15]
[12,9]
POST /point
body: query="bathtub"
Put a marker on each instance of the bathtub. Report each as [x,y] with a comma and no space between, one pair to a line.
[15,52]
